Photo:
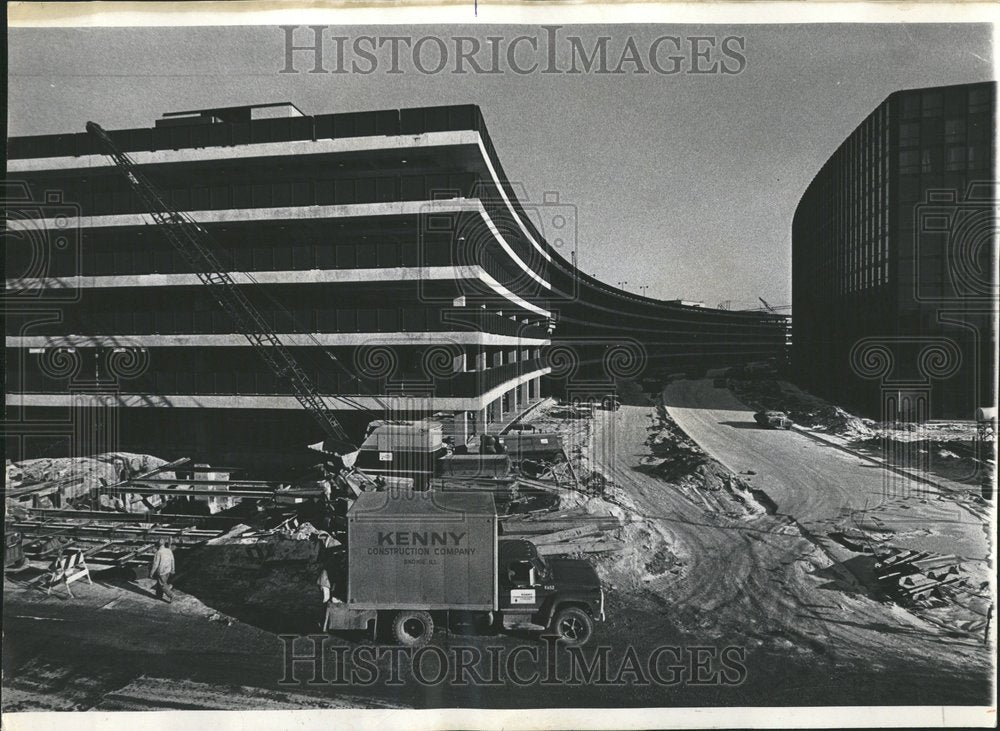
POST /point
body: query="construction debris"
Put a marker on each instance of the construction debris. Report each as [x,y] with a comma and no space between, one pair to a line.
[919,577]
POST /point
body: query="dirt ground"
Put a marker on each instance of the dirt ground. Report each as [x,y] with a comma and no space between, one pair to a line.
[706,562]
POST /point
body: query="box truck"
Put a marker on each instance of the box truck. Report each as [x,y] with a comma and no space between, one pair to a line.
[424,558]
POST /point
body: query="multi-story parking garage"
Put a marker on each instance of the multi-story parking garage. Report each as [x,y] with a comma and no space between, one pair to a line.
[387,249]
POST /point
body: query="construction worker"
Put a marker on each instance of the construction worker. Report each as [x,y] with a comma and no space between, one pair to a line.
[162,570]
[329,599]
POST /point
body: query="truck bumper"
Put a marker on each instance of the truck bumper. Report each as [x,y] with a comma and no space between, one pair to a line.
[339,616]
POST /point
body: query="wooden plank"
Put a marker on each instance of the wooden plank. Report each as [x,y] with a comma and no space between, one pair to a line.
[923,588]
[901,558]
[572,471]
[133,554]
[98,548]
[527,527]
[592,546]
[565,535]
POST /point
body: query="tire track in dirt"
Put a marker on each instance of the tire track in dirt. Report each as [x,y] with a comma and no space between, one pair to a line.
[760,580]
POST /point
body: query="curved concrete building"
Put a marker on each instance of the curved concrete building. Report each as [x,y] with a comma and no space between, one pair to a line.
[387,248]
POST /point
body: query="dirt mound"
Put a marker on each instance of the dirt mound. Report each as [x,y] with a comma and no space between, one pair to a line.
[835,420]
[769,394]
[673,454]
[266,580]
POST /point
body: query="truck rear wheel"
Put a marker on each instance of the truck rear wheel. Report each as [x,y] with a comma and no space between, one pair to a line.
[412,629]
[573,626]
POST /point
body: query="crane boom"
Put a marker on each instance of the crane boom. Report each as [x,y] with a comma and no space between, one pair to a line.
[193,243]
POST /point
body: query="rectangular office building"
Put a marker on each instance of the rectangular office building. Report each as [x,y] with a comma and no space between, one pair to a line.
[894,284]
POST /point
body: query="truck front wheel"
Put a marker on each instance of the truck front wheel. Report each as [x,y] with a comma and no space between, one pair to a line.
[412,629]
[573,626]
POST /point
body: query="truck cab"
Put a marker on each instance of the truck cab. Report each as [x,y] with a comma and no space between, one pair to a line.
[558,594]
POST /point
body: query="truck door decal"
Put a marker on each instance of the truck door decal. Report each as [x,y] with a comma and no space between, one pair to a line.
[522,596]
[385,456]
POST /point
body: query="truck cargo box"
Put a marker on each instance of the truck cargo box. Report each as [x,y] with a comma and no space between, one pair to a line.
[432,550]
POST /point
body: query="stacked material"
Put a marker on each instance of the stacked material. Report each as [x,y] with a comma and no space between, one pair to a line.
[63,481]
[566,532]
[918,577]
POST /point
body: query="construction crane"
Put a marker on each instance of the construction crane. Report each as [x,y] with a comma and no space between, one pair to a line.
[195,245]
[773,309]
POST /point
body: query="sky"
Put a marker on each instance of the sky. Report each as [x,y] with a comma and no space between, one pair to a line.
[683,183]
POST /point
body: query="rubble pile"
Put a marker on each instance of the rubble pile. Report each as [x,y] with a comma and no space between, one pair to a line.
[946,590]
[674,455]
[769,394]
[68,482]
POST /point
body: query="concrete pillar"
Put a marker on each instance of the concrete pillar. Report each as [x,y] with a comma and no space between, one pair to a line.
[482,419]
[480,358]
[463,427]
[460,363]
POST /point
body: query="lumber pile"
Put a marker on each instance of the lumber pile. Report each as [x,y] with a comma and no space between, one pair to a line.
[919,578]
[567,532]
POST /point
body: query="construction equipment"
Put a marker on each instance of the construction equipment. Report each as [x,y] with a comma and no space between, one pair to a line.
[413,561]
[773,309]
[194,244]
[196,247]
